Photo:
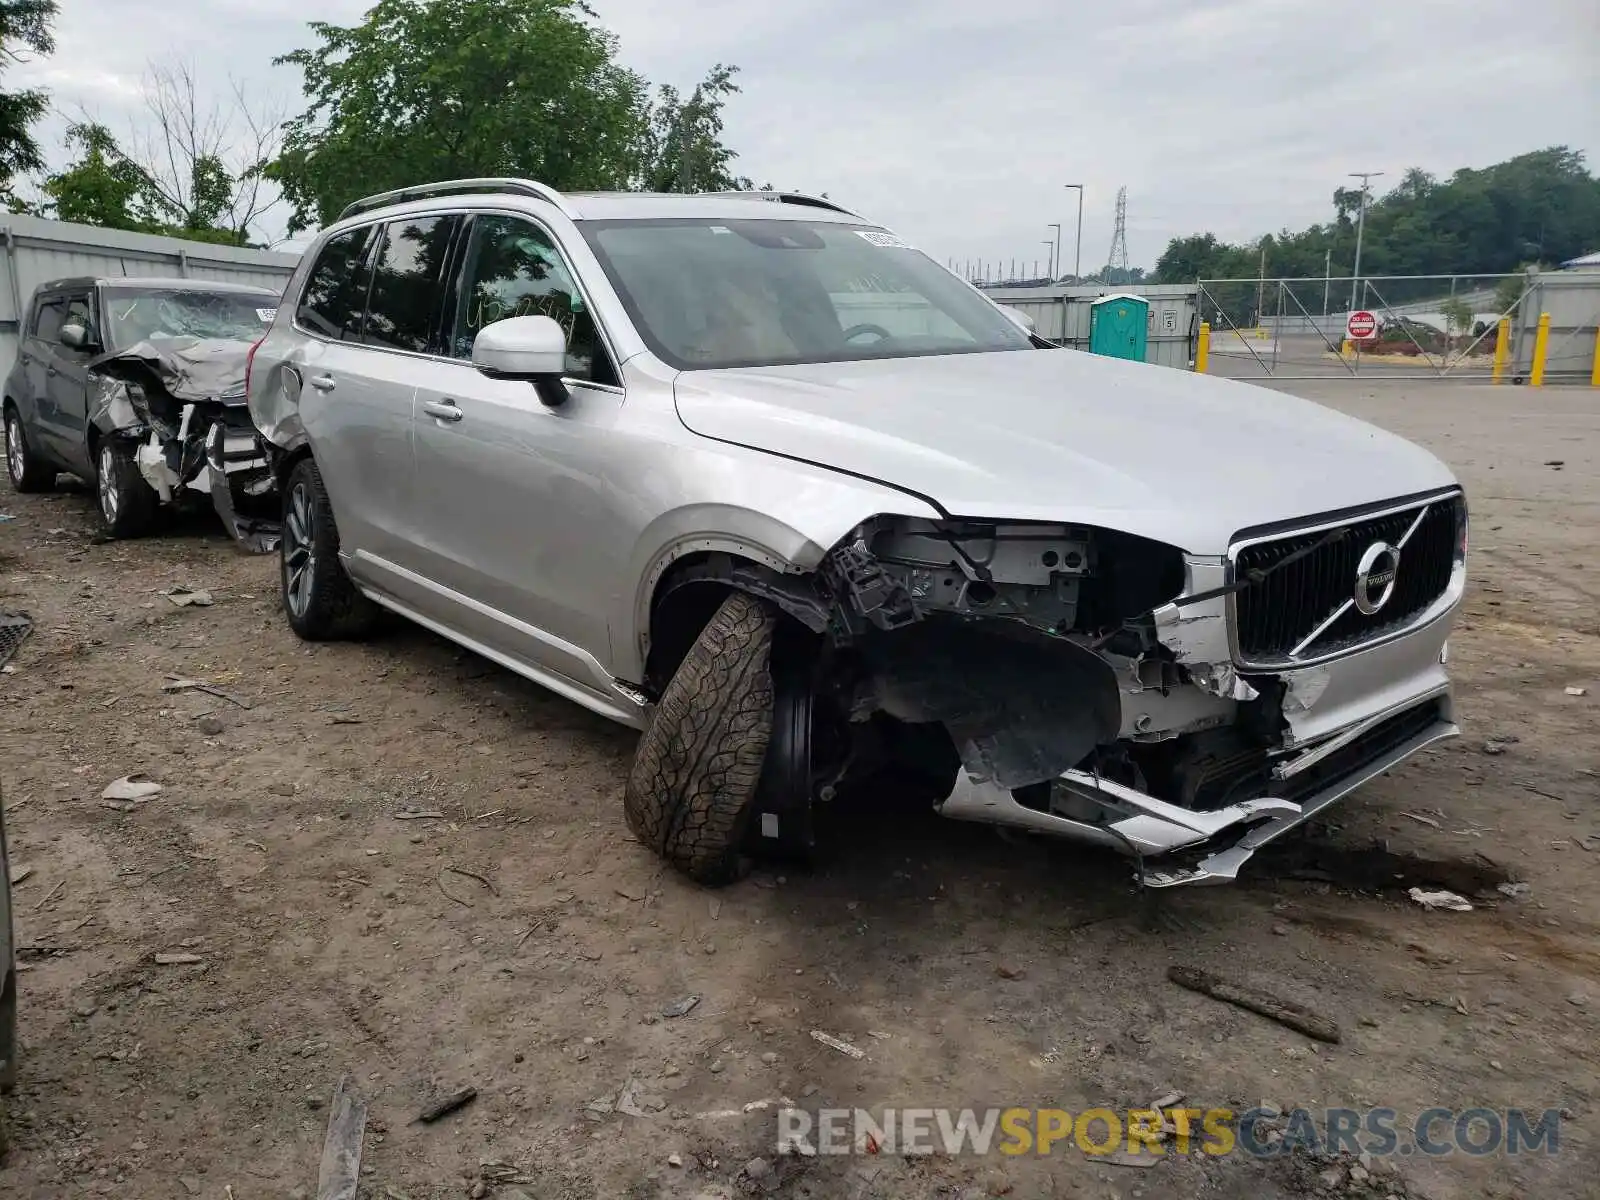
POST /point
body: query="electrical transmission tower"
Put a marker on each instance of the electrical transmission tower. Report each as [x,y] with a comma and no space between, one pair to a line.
[1118,260]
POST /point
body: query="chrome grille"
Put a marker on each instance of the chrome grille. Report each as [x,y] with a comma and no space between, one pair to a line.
[1304,610]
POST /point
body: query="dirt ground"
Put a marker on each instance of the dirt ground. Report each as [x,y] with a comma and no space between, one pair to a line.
[521,943]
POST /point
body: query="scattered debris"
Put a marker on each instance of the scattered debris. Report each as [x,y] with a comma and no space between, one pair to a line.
[177,958]
[834,1043]
[680,1008]
[1420,819]
[209,725]
[757,1168]
[1499,745]
[1127,1158]
[1166,1101]
[470,875]
[716,908]
[175,684]
[448,1105]
[1515,890]
[185,598]
[340,719]
[340,1170]
[18,874]
[131,787]
[413,814]
[630,893]
[1577,691]
[1009,971]
[1440,899]
[1285,1012]
[1577,999]
[674,1160]
[49,896]
[630,1102]
[1557,463]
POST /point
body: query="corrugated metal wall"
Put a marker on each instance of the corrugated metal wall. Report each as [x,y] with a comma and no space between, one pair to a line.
[38,251]
[1572,298]
[1061,315]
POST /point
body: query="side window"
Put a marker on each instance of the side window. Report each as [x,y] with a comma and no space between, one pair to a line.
[79,313]
[336,289]
[50,317]
[402,312]
[512,268]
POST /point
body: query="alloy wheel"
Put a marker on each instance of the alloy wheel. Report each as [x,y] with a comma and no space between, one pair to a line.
[16,453]
[299,552]
[110,499]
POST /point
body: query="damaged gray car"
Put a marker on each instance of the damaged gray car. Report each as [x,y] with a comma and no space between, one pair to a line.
[136,386]
[752,475]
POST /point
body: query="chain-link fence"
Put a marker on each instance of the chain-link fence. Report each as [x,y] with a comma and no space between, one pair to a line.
[1416,326]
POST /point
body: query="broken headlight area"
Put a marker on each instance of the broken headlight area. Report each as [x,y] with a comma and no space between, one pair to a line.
[1048,655]
[181,403]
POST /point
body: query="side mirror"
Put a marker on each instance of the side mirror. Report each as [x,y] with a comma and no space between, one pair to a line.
[74,335]
[1019,318]
[530,348]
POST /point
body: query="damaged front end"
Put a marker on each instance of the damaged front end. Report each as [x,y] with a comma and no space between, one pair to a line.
[1183,710]
[179,404]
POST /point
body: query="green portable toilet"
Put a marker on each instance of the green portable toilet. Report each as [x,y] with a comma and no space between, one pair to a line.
[1119,327]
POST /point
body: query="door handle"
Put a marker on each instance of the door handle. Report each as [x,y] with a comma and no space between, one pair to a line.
[323,383]
[445,410]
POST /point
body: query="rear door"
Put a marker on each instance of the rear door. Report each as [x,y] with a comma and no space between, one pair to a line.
[359,429]
[36,355]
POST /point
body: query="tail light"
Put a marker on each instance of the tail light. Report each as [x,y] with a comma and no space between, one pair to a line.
[250,362]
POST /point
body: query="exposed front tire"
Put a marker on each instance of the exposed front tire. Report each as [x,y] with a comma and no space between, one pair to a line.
[29,472]
[127,503]
[691,793]
[319,598]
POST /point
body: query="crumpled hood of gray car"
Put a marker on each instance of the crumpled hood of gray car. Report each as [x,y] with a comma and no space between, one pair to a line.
[1066,436]
[189,368]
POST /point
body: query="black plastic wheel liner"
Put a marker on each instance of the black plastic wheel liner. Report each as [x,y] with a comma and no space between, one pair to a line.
[781,818]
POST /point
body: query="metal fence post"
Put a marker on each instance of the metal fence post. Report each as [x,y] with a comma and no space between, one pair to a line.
[1202,350]
[1541,350]
[1594,371]
[1502,349]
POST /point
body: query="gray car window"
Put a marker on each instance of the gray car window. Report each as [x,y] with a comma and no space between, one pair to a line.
[402,310]
[49,319]
[336,290]
[512,268]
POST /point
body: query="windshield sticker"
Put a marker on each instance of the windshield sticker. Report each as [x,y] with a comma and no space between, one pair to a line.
[268,315]
[720,229]
[882,237]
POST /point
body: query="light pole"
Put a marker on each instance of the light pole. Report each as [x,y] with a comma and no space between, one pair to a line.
[1361,225]
[1047,262]
[1077,246]
[1055,263]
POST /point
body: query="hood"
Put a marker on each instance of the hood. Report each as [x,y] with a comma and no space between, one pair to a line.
[1066,436]
[190,369]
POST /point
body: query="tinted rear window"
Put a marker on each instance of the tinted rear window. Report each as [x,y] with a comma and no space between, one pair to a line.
[403,310]
[336,290]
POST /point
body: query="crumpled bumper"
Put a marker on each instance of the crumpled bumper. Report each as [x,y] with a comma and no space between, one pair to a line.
[1175,845]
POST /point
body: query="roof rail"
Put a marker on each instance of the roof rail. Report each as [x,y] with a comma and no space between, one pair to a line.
[787,198]
[457,187]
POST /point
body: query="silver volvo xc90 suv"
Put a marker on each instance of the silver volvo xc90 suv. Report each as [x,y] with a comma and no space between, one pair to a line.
[753,475]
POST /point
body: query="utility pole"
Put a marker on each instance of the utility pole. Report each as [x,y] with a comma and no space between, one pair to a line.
[1055,261]
[1049,263]
[1361,225]
[1327,278]
[1077,246]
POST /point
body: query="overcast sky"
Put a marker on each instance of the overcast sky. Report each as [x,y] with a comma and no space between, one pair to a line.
[957,122]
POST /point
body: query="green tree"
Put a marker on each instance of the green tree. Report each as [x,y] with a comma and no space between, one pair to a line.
[438,89]
[102,187]
[1541,206]
[424,90]
[24,25]
[1457,315]
[682,139]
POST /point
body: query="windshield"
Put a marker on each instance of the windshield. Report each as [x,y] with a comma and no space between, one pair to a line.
[707,294]
[132,316]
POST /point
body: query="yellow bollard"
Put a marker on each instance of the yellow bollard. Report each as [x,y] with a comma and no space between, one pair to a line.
[1202,350]
[1541,350]
[1502,349]
[1594,372]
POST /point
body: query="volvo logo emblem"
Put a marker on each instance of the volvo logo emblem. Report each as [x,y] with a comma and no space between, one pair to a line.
[1375,577]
